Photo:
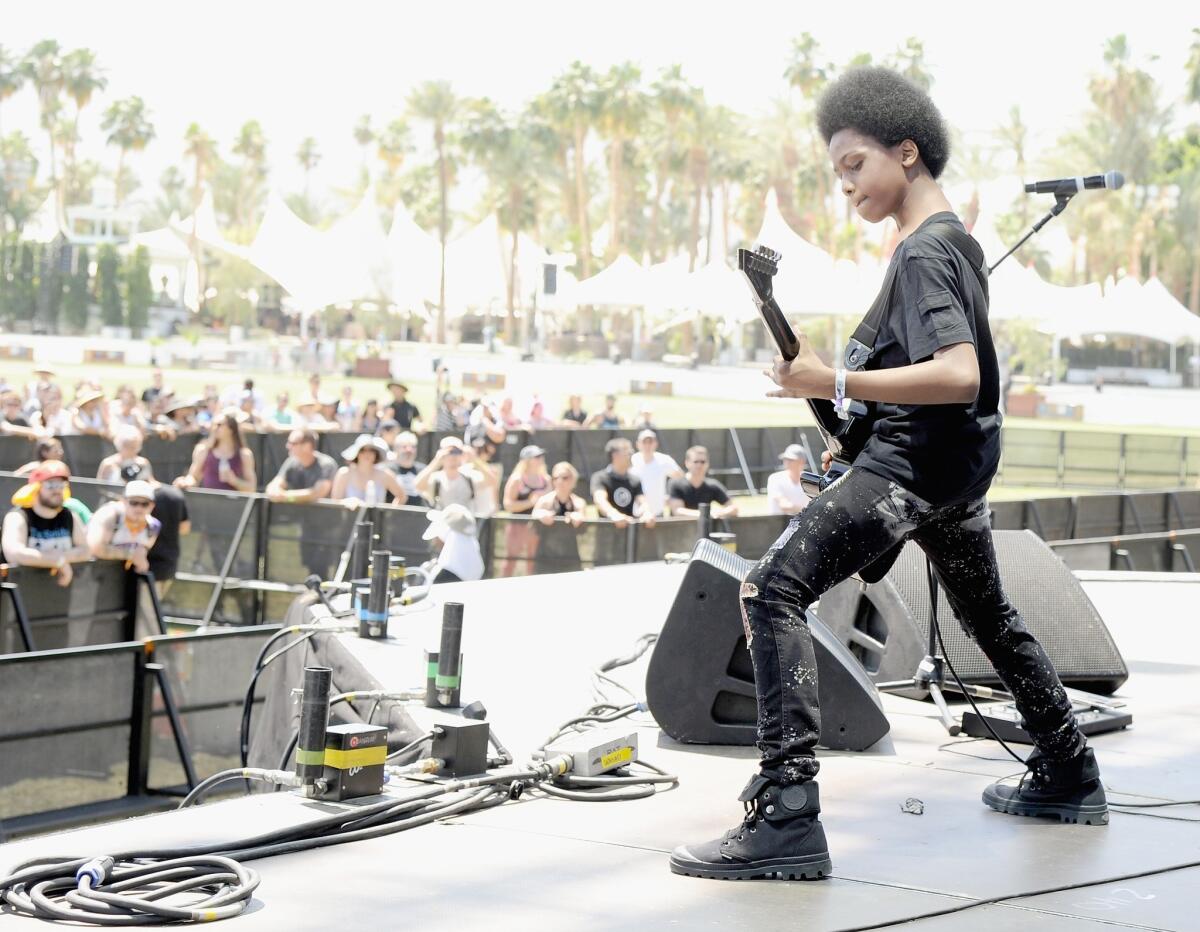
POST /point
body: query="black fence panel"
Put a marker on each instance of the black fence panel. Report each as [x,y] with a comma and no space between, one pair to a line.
[98,607]
[15,452]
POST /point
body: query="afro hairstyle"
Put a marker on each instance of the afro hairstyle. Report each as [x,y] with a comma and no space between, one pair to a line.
[888,107]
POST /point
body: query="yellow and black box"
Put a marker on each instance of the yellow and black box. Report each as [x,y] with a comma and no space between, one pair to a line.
[354,758]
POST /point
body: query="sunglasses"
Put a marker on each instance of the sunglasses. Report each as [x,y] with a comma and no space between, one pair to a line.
[138,503]
[699,462]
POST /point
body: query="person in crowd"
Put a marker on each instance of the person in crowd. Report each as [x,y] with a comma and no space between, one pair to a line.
[39,530]
[182,415]
[281,418]
[170,508]
[347,413]
[401,410]
[314,388]
[388,431]
[91,414]
[481,457]
[35,388]
[365,479]
[608,419]
[48,448]
[685,495]
[485,422]
[407,467]
[127,463]
[507,416]
[309,416]
[157,421]
[329,406]
[126,411]
[210,410]
[644,419]
[126,529]
[575,416]
[449,417]
[785,495]
[222,461]
[561,502]
[529,482]
[52,419]
[306,476]
[538,419]
[459,559]
[617,493]
[370,420]
[157,387]
[235,397]
[248,416]
[13,422]
[655,469]
[445,481]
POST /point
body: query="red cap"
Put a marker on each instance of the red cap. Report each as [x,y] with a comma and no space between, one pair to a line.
[51,469]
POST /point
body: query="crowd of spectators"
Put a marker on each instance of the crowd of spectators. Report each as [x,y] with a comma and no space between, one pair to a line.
[381,465]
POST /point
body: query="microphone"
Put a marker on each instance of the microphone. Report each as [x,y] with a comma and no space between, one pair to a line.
[1111,180]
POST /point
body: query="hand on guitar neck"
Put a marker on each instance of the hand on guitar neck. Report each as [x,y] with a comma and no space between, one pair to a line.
[803,377]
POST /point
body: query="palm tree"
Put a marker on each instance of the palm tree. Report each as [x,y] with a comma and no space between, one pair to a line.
[673,95]
[364,135]
[129,129]
[42,67]
[81,79]
[251,145]
[623,107]
[11,74]
[308,157]
[572,103]
[434,101]
[202,150]
[809,76]
[1193,96]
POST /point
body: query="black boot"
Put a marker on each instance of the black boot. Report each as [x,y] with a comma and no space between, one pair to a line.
[780,837]
[1069,791]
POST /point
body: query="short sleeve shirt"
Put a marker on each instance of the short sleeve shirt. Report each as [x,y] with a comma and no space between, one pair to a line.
[296,476]
[944,453]
[709,491]
[622,491]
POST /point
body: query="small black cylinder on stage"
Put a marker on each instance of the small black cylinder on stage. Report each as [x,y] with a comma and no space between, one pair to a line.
[360,556]
[449,672]
[703,522]
[396,574]
[373,617]
[314,717]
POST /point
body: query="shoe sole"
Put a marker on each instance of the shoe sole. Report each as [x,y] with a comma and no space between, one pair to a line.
[778,868]
[1096,814]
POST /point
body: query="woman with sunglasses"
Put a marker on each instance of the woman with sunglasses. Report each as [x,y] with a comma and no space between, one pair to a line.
[561,511]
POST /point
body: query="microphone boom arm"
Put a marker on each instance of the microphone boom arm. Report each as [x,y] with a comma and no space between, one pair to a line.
[1061,200]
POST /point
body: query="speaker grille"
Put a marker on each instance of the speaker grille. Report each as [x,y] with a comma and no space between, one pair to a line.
[1052,604]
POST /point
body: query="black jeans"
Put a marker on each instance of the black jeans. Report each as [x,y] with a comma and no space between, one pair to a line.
[841,531]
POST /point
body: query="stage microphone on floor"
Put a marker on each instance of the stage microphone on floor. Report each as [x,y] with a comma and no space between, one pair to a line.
[313,584]
[1111,180]
[314,719]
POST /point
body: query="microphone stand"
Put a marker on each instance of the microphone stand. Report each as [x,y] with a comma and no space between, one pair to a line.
[1061,200]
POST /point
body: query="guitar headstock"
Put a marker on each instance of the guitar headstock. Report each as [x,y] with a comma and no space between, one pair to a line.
[761,259]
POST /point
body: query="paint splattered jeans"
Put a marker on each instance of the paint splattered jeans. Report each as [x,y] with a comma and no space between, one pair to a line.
[847,527]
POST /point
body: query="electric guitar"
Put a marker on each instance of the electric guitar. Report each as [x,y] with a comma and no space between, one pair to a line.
[844,437]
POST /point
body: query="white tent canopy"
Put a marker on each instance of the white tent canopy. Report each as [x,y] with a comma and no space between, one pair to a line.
[1151,311]
[624,283]
[203,223]
[414,261]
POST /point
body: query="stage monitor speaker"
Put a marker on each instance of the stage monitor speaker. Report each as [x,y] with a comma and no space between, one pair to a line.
[700,683]
[886,625]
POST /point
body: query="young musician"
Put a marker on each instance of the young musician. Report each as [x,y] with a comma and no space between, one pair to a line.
[922,475]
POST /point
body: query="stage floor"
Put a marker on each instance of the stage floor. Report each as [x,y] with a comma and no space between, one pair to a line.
[529,645]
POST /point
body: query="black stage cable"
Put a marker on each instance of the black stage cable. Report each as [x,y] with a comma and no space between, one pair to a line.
[1083,884]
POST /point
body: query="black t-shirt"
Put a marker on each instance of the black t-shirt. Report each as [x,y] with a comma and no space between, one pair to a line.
[403,413]
[709,491]
[944,453]
[579,418]
[170,507]
[622,490]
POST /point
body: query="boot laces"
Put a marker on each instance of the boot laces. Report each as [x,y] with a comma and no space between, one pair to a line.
[749,822]
[1038,775]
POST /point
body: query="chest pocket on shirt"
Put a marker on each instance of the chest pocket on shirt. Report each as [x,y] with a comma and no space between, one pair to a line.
[938,307]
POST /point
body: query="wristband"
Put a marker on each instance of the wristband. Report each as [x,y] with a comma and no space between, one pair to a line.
[839,392]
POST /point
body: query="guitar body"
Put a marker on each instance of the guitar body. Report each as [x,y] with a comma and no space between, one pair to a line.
[843,437]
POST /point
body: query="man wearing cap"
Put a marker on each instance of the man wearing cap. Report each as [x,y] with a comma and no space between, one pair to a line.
[653,468]
[401,410]
[39,531]
[686,495]
[445,481]
[125,529]
[460,558]
[785,495]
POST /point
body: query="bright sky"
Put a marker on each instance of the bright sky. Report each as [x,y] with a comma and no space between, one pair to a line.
[308,68]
